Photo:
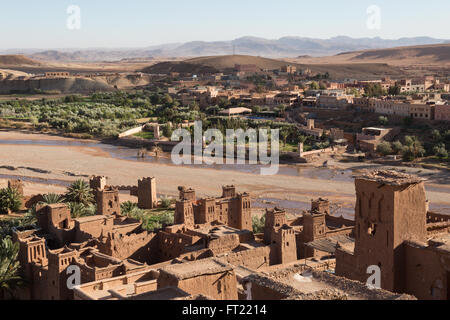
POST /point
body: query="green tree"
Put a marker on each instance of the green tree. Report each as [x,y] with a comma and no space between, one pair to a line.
[397,147]
[258,224]
[194,106]
[413,149]
[284,133]
[167,131]
[80,192]
[314,85]
[256,109]
[166,202]
[436,135]
[440,151]
[384,148]
[10,200]
[9,267]
[374,90]
[394,90]
[382,120]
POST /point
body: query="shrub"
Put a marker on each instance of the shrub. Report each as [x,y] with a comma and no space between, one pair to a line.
[384,148]
[258,224]
[166,202]
[128,207]
[413,149]
[397,147]
[157,221]
[383,120]
[440,151]
[10,200]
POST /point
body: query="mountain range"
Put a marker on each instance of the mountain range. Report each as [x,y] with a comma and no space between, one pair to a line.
[288,47]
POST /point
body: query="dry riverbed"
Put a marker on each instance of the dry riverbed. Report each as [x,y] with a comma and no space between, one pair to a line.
[51,165]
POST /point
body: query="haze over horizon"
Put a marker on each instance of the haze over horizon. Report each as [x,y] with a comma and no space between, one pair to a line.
[140,24]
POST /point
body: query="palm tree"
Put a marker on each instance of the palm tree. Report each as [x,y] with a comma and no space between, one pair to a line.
[80,192]
[157,150]
[141,153]
[78,210]
[127,207]
[10,200]
[9,267]
[51,198]
[284,133]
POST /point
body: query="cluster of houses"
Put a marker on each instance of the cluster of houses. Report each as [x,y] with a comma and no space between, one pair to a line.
[421,98]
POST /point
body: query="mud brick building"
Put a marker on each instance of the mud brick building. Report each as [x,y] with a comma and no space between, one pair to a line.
[395,232]
[233,209]
[107,196]
[211,252]
[300,283]
[211,277]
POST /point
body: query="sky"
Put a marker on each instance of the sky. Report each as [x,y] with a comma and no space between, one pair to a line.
[143,23]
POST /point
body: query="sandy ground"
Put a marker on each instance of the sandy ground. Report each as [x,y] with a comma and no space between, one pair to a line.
[82,162]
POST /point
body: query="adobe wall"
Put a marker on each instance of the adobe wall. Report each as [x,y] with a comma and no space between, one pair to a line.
[30,201]
[131,132]
[253,259]
[173,245]
[89,274]
[339,221]
[218,286]
[140,247]
[264,288]
[195,255]
[223,244]
[127,228]
[87,229]
[346,265]
[427,272]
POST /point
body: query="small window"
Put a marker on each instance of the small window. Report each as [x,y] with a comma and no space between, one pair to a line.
[372,230]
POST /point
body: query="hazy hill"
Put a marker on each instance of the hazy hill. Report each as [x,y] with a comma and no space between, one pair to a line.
[276,48]
[223,63]
[412,55]
[16,60]
[228,62]
[213,64]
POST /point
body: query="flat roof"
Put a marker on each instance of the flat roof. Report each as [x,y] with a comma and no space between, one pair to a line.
[329,244]
[168,293]
[389,177]
[196,268]
[299,284]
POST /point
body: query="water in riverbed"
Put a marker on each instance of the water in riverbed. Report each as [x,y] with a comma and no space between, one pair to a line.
[125,153]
